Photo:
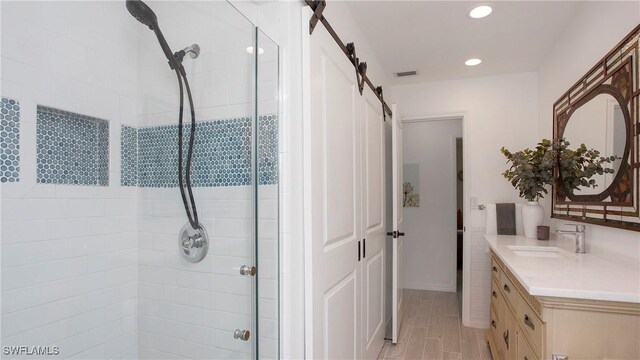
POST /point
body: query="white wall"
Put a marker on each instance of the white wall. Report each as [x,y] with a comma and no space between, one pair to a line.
[594,30]
[498,111]
[430,240]
[69,253]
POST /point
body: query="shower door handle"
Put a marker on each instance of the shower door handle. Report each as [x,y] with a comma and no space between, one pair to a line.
[243,335]
[247,270]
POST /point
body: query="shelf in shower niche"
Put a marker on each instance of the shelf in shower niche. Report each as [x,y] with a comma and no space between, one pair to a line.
[72,149]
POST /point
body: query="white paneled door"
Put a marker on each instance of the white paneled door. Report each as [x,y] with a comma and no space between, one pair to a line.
[373,226]
[398,227]
[344,208]
[333,195]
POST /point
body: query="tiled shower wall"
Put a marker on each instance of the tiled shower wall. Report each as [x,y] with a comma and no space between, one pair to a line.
[95,269]
[69,252]
[191,310]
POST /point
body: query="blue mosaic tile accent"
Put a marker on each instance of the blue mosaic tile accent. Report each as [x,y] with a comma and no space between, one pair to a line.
[71,148]
[9,140]
[221,157]
[267,150]
[102,147]
[128,156]
[222,153]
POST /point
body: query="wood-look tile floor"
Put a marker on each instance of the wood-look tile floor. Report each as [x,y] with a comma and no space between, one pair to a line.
[432,329]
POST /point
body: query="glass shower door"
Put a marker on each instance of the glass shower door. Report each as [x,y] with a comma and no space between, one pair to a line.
[203,310]
[267,214]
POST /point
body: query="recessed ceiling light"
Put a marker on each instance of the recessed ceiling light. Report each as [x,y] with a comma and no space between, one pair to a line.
[472,62]
[250,50]
[480,11]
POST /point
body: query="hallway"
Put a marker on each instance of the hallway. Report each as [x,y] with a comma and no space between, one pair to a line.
[432,329]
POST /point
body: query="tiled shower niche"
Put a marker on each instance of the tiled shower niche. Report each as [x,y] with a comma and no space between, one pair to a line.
[72,149]
[9,140]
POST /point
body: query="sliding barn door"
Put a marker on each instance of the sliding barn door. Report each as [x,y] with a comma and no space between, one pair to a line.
[333,195]
[373,225]
[398,228]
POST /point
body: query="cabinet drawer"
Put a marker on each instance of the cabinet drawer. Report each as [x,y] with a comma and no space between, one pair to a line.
[524,350]
[495,269]
[510,292]
[493,325]
[495,292]
[531,325]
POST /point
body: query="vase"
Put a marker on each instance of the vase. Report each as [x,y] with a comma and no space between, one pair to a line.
[532,217]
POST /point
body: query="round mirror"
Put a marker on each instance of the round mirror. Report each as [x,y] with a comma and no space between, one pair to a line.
[600,125]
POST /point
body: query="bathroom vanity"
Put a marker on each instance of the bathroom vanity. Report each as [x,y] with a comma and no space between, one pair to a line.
[549,303]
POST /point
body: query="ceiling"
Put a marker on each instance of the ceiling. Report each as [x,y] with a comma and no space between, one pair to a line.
[436,37]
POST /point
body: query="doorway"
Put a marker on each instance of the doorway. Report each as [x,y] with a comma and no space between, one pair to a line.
[429,175]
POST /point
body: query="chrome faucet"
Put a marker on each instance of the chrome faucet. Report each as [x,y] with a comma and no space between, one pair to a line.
[580,235]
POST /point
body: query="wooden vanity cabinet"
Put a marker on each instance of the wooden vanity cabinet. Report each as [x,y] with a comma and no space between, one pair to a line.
[526,327]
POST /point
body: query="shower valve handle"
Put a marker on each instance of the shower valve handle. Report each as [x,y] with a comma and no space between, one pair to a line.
[195,241]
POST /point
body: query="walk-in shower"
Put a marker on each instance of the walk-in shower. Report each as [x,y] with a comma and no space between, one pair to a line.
[97,147]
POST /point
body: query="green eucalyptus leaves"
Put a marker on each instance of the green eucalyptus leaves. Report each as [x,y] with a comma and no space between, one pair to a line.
[532,170]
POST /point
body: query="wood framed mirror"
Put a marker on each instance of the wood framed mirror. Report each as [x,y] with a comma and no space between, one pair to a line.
[601,111]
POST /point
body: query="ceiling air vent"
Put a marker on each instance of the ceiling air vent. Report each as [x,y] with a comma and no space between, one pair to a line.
[407,73]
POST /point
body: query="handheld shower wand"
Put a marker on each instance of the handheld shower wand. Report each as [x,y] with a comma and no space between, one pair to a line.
[146,16]
[143,13]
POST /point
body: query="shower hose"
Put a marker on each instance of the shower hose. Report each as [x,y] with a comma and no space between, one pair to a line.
[192,212]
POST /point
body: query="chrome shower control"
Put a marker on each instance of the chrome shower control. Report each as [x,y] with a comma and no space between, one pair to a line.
[243,335]
[193,51]
[247,270]
[193,244]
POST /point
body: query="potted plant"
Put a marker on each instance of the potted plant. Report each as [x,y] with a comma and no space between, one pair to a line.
[531,171]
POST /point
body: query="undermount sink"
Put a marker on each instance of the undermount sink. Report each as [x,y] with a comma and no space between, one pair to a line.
[539,251]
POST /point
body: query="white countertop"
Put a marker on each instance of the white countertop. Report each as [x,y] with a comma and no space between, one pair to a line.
[578,276]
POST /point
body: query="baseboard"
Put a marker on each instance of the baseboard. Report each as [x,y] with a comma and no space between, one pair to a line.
[417,286]
[477,324]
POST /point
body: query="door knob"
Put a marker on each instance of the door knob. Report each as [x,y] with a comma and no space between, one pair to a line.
[395,234]
[243,335]
[247,270]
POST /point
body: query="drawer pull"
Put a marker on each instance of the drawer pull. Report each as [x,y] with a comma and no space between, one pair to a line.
[528,322]
[493,324]
[493,293]
[505,336]
[506,288]
[494,269]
